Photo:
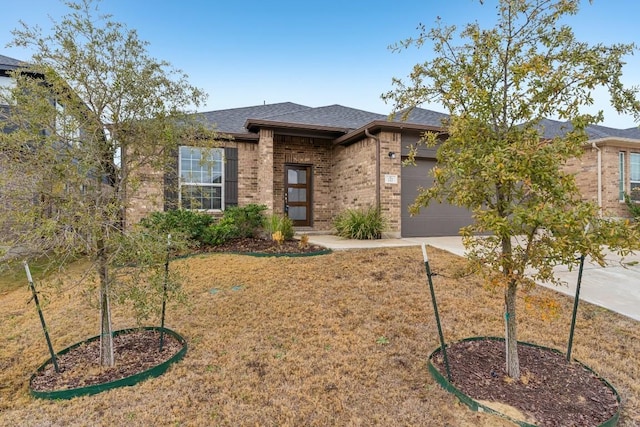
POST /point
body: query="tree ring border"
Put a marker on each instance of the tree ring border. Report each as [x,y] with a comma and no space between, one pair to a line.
[478,407]
[152,372]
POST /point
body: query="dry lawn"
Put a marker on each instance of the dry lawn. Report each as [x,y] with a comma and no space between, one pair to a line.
[339,339]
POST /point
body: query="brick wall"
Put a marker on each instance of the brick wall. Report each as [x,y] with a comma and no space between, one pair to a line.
[390,194]
[265,169]
[586,173]
[354,175]
[248,173]
[145,196]
[354,178]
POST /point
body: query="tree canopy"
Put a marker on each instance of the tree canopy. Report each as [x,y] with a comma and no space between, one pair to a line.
[498,84]
[89,114]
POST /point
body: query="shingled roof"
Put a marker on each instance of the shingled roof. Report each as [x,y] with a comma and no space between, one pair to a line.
[8,64]
[331,116]
[234,119]
[554,128]
[420,116]
[340,120]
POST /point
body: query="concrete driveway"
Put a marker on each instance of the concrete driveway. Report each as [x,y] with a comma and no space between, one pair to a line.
[615,286]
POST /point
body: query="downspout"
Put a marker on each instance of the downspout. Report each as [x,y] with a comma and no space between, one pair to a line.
[370,135]
[595,146]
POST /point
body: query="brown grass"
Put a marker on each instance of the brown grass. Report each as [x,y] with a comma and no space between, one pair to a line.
[340,339]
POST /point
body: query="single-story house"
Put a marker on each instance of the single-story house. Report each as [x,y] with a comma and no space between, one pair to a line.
[310,164]
[313,163]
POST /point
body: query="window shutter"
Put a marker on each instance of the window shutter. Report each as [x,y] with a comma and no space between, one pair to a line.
[231,177]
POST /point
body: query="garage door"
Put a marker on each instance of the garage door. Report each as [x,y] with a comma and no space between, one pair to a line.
[439,219]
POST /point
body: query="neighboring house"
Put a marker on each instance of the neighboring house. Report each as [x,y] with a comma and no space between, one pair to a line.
[7,65]
[313,163]
[65,128]
[609,167]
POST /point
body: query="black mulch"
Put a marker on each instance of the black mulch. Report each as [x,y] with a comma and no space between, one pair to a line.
[551,391]
[135,352]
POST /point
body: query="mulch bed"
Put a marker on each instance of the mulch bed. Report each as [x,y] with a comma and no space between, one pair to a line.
[135,352]
[550,392]
[266,246]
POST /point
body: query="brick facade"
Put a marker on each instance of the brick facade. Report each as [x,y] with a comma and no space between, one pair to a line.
[586,172]
[146,195]
[248,193]
[343,177]
[390,193]
[265,169]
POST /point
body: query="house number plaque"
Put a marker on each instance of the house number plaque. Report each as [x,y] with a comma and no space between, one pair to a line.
[391,179]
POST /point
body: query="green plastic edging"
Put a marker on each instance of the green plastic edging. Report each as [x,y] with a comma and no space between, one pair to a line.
[153,372]
[478,407]
[279,255]
[259,254]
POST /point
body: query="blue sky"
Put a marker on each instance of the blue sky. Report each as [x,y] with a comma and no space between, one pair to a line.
[312,52]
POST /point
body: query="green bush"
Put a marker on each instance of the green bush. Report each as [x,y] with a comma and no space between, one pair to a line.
[247,219]
[283,224]
[191,224]
[236,222]
[634,208]
[220,232]
[360,224]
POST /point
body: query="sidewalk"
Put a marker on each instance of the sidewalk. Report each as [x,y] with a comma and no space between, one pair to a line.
[615,286]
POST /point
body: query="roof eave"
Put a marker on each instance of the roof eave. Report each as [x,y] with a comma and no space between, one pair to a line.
[379,125]
[613,140]
[255,125]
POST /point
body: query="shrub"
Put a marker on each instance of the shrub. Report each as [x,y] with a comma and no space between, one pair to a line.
[191,224]
[220,232]
[360,223]
[236,222]
[634,208]
[279,223]
[247,219]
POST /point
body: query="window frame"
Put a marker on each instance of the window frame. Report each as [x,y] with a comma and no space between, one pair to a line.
[211,170]
[621,176]
[634,183]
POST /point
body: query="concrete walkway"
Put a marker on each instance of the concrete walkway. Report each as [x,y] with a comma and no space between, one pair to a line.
[615,286]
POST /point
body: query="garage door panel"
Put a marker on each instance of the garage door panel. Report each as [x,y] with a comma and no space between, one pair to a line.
[439,219]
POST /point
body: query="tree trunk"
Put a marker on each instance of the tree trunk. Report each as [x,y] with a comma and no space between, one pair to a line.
[106,334]
[511,338]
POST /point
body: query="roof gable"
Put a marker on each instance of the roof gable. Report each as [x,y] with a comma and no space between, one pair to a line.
[332,116]
[233,120]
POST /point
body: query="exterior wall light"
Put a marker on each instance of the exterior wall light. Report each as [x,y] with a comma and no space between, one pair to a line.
[392,155]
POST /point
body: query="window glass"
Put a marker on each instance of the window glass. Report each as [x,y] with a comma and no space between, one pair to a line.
[297,194]
[201,178]
[297,176]
[634,175]
[297,213]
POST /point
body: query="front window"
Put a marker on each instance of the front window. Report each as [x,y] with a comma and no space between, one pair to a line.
[201,178]
[634,176]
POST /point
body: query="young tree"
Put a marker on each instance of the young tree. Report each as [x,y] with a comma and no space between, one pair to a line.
[498,85]
[89,115]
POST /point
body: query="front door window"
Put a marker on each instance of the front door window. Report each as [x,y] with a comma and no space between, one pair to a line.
[297,196]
